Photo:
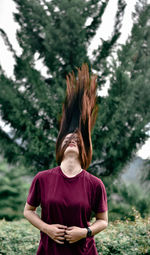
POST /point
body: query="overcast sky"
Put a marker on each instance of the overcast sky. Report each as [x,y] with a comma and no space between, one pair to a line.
[7,7]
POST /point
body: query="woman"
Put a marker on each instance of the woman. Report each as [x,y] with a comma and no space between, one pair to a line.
[67,193]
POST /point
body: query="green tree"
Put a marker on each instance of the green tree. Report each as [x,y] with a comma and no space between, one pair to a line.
[125,113]
[56,31]
[124,197]
[145,176]
[13,190]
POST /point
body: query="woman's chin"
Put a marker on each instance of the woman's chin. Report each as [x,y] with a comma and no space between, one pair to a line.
[72,149]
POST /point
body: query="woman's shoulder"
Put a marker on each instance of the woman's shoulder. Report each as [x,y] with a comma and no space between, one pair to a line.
[45,173]
[94,179]
[95,184]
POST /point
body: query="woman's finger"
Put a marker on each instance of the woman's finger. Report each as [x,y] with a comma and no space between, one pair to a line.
[67,231]
[71,241]
[70,228]
[61,226]
[66,236]
[57,241]
[60,233]
[60,238]
[68,239]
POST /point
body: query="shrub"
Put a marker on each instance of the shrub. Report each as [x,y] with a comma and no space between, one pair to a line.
[13,190]
[124,197]
[124,238]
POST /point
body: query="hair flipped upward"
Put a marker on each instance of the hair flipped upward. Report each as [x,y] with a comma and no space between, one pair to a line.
[78,114]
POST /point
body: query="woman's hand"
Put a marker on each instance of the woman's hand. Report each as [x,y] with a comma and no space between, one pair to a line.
[56,232]
[74,234]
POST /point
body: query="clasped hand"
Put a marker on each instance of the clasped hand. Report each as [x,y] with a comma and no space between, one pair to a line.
[60,233]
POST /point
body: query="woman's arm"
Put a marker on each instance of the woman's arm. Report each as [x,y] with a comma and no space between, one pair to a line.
[31,215]
[74,234]
[100,224]
[54,231]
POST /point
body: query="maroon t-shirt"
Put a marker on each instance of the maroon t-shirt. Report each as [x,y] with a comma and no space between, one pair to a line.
[68,201]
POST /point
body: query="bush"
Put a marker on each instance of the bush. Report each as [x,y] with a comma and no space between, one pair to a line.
[124,238]
[124,197]
[18,238]
[13,190]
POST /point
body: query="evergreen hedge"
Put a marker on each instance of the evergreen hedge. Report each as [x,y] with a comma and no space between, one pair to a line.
[128,237]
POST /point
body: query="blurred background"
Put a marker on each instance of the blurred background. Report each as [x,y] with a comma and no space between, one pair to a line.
[41,42]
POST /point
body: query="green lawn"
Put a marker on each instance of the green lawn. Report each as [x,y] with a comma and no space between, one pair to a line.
[131,238]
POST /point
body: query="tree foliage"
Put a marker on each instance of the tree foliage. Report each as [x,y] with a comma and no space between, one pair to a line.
[13,190]
[56,33]
[124,114]
[145,176]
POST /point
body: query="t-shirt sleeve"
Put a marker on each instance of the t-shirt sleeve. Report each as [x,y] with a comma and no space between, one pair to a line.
[100,198]
[34,197]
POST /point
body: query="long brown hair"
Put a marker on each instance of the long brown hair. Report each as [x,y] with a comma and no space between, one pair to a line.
[78,114]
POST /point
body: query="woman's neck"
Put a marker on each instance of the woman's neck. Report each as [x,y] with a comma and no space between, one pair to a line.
[71,166]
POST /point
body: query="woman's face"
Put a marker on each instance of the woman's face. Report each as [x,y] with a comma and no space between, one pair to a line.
[72,142]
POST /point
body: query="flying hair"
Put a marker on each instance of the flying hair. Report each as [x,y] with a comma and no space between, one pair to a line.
[78,114]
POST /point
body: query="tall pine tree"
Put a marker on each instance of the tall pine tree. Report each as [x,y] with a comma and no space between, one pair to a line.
[56,31]
[124,115]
